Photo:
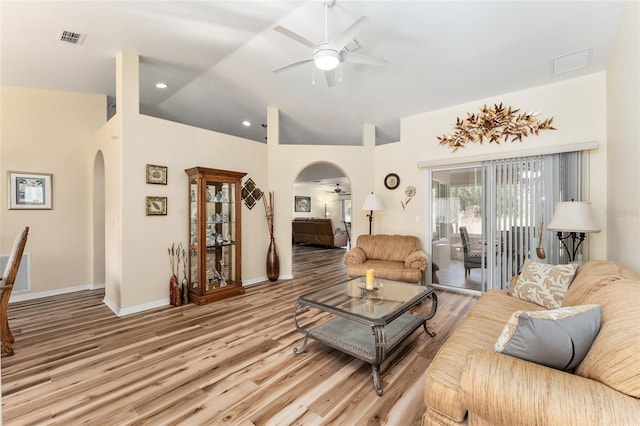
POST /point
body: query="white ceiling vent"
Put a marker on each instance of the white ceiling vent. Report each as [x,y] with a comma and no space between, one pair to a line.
[571,61]
[70,37]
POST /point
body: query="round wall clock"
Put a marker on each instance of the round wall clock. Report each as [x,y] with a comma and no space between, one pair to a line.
[391,181]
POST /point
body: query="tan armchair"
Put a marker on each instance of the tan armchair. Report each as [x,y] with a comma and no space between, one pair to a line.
[394,257]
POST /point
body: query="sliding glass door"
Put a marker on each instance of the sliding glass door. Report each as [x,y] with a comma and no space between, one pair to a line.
[487,219]
[457,228]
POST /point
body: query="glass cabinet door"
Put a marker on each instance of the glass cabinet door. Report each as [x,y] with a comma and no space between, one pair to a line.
[220,234]
[193,233]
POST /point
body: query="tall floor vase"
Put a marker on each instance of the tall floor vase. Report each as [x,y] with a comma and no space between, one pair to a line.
[273,263]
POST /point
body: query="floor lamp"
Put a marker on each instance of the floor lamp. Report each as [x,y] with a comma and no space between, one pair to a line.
[371,203]
[574,218]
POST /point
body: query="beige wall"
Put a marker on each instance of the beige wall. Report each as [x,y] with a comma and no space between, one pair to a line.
[138,268]
[47,132]
[287,161]
[579,110]
[146,238]
[319,196]
[623,108]
[104,155]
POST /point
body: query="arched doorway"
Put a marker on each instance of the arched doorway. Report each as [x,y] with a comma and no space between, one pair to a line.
[323,191]
[99,223]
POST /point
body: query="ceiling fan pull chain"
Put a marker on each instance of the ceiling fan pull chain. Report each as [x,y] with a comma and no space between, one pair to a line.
[313,75]
[340,73]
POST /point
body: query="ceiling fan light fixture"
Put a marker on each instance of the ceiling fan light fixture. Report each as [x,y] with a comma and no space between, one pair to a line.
[326,59]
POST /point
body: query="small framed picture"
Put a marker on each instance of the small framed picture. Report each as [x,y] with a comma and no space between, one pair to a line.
[30,191]
[156,174]
[156,206]
[302,204]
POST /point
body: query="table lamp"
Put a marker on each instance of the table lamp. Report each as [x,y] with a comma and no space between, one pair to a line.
[574,218]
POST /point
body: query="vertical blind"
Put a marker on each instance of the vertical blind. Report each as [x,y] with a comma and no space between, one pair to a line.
[518,203]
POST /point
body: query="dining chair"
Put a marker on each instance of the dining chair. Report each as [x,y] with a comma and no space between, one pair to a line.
[472,258]
[6,285]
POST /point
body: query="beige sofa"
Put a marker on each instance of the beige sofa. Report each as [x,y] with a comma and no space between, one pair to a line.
[395,257]
[318,231]
[469,383]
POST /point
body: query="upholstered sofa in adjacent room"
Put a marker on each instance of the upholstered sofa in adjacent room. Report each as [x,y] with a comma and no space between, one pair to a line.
[318,231]
[395,257]
[471,382]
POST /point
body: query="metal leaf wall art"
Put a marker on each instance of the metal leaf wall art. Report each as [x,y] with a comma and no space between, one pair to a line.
[494,124]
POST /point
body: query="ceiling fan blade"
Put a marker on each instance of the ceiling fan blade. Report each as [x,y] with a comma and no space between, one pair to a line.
[349,34]
[331,77]
[293,65]
[297,37]
[356,58]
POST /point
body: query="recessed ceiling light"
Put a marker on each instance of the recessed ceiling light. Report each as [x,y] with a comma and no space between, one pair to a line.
[162,85]
[246,123]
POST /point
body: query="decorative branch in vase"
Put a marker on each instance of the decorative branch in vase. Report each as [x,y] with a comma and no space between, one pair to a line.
[540,250]
[185,280]
[273,263]
[268,209]
[174,288]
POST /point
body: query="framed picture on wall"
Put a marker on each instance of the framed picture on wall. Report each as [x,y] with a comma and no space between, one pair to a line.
[156,174]
[156,206]
[30,191]
[302,204]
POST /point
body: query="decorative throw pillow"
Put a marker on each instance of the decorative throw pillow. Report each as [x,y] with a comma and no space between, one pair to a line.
[557,338]
[543,284]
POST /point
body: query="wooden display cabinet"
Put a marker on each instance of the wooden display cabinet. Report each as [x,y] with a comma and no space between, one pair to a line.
[215,234]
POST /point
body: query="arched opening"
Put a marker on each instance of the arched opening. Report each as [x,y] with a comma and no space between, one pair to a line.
[99,219]
[321,210]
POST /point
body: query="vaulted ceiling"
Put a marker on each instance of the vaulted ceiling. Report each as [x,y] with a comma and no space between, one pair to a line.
[218,57]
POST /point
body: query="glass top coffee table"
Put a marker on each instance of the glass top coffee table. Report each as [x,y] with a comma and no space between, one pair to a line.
[366,324]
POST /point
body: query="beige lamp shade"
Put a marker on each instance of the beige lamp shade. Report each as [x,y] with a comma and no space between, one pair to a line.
[573,216]
[372,202]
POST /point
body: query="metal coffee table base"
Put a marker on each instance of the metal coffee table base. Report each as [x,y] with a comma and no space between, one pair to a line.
[364,341]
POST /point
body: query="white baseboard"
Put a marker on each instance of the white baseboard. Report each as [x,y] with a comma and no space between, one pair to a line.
[17,297]
[121,312]
[258,280]
[114,306]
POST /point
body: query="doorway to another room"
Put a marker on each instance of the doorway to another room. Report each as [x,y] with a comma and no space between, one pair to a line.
[322,207]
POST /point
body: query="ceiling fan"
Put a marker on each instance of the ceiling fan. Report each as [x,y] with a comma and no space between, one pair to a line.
[339,191]
[331,53]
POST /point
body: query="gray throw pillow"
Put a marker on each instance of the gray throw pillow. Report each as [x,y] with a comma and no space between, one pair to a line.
[558,338]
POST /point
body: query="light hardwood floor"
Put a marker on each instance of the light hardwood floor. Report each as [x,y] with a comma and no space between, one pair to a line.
[229,362]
